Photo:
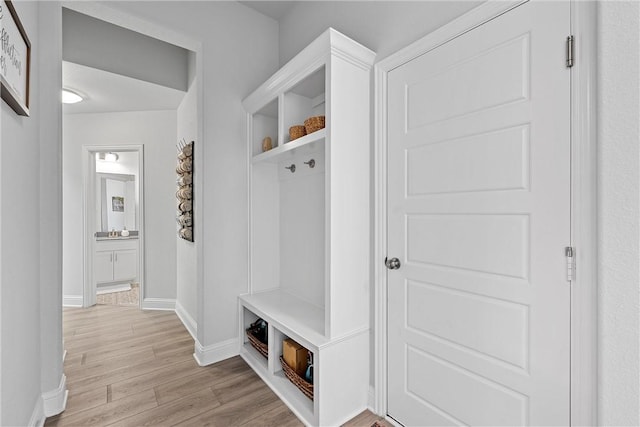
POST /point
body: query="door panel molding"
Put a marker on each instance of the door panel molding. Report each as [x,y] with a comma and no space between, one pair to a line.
[583,194]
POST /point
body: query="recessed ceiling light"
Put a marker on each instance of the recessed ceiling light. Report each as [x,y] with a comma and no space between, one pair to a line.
[69,97]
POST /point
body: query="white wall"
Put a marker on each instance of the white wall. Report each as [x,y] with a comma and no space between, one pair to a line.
[30,281]
[50,77]
[618,213]
[239,50]
[156,130]
[19,250]
[98,44]
[186,265]
[382,26]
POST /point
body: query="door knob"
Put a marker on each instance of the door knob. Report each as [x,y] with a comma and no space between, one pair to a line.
[392,264]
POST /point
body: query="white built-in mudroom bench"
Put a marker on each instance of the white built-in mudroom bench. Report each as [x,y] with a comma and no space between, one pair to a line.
[309,237]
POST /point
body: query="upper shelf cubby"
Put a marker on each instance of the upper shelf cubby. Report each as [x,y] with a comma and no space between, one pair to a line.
[265,125]
[304,100]
[302,88]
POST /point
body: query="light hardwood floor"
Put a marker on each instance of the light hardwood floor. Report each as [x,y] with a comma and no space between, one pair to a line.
[127,367]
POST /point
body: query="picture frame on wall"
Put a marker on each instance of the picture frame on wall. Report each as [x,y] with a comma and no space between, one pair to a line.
[117,204]
[15,60]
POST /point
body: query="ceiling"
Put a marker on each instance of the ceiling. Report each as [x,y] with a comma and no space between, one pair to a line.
[273,9]
[105,92]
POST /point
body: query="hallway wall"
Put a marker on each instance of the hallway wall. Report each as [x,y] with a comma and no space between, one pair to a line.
[157,131]
[30,233]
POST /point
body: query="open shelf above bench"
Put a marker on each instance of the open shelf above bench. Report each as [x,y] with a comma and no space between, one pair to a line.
[307,143]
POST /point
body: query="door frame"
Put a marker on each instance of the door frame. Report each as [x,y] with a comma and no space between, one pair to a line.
[117,17]
[89,221]
[583,388]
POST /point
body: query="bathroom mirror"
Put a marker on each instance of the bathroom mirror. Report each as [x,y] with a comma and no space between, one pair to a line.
[117,202]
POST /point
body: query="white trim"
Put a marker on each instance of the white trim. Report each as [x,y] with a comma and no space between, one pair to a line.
[380,239]
[187,320]
[584,300]
[55,401]
[583,190]
[308,60]
[216,352]
[89,288]
[72,300]
[158,304]
[37,416]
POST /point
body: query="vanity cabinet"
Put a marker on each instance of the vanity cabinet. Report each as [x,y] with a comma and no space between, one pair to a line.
[115,261]
[309,226]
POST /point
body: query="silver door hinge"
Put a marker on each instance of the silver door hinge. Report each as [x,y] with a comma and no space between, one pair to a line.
[569,51]
[571,263]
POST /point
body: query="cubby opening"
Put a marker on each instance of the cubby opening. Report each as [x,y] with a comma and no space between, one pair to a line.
[249,318]
[286,383]
[306,99]
[288,226]
[265,125]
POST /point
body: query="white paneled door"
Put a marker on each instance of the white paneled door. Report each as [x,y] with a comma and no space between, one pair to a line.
[479,218]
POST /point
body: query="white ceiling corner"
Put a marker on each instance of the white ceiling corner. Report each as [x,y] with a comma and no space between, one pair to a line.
[272,9]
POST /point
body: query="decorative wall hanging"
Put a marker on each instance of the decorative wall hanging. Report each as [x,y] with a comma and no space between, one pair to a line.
[185,190]
[15,60]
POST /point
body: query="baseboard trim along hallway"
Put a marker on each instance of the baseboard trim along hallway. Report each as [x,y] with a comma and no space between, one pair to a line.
[207,355]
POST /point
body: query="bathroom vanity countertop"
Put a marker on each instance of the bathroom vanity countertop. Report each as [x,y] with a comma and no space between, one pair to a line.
[116,238]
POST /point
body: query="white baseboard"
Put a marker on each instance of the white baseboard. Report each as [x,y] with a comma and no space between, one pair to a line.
[37,416]
[72,301]
[216,352]
[371,399]
[187,320]
[55,401]
[158,304]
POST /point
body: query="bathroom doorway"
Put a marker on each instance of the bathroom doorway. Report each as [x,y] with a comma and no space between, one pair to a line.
[113,219]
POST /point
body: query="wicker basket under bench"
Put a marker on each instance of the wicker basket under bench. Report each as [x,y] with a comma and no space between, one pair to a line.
[262,348]
[304,386]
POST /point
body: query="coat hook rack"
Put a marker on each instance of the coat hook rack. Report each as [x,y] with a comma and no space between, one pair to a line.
[292,168]
[311,163]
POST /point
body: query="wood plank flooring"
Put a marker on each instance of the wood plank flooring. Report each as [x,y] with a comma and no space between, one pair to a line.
[127,367]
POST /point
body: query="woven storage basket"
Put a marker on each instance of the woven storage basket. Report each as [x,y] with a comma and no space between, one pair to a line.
[262,348]
[296,132]
[305,387]
[314,123]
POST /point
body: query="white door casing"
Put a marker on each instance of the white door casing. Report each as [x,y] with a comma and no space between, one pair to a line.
[479,215]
